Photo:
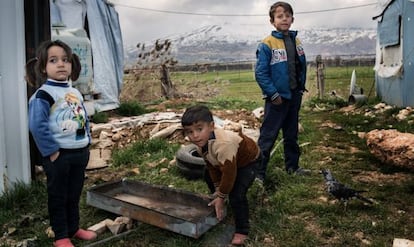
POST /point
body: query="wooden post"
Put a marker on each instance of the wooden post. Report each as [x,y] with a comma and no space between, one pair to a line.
[320,76]
[167,88]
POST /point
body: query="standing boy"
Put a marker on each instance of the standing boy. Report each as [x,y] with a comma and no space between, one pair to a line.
[231,165]
[281,74]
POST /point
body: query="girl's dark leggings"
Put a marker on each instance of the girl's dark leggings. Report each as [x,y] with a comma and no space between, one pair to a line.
[65,177]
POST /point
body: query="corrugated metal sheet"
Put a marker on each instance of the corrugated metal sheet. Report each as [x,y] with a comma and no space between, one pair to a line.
[14,146]
[395,49]
[2,142]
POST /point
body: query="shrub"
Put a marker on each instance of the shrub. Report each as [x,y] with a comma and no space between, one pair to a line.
[99,117]
[131,108]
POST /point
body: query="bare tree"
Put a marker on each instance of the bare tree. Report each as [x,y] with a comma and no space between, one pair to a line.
[158,57]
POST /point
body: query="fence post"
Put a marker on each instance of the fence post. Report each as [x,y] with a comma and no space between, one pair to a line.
[320,77]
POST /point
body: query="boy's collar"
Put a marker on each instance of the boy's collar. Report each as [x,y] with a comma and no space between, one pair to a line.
[280,35]
[212,135]
[205,147]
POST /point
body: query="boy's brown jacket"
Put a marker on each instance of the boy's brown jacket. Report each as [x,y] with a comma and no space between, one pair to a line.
[226,153]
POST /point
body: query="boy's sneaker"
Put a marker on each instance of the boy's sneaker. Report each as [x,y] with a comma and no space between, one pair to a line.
[259,181]
[85,234]
[302,172]
[64,242]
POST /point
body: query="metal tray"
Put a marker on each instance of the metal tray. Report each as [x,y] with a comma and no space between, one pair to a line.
[176,210]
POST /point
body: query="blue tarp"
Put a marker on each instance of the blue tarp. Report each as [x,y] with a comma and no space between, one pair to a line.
[389,27]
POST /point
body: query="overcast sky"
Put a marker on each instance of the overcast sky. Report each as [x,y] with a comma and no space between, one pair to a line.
[148,20]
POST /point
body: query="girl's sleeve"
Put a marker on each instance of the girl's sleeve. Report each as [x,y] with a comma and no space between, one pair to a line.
[39,127]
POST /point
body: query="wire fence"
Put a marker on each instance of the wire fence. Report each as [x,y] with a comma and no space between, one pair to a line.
[240,75]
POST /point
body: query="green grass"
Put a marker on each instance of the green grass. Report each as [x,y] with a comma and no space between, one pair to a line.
[238,85]
[296,211]
[236,76]
[23,212]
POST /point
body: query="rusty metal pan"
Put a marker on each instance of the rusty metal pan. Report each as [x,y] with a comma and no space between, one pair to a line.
[172,209]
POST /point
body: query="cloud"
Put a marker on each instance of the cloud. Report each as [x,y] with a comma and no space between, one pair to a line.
[148,20]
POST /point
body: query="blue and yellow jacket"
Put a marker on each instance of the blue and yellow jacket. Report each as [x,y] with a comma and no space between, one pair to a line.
[271,71]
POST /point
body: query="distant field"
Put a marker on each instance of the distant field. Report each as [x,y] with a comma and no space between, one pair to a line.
[242,85]
[339,78]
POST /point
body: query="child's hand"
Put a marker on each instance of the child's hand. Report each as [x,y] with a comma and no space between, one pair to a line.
[54,156]
[278,100]
[218,204]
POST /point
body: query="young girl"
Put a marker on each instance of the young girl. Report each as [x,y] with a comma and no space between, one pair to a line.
[60,128]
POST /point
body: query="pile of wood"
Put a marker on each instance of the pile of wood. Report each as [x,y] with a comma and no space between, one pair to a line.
[116,226]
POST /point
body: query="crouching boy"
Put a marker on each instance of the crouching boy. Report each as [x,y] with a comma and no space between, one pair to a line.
[231,162]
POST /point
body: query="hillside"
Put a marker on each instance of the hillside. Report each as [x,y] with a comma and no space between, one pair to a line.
[225,44]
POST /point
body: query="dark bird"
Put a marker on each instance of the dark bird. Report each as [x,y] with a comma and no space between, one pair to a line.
[341,191]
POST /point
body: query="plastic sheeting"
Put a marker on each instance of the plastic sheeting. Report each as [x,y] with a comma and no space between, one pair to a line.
[72,12]
[389,61]
[107,52]
[106,42]
[55,17]
[391,71]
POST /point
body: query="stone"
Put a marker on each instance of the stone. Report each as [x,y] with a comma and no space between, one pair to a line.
[399,242]
[392,147]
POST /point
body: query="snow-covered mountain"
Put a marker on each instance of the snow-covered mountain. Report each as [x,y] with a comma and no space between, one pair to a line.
[226,43]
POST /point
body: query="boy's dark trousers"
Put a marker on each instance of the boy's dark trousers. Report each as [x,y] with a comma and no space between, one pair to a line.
[283,117]
[65,177]
[237,197]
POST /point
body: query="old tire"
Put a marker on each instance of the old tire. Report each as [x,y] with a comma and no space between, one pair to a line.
[189,162]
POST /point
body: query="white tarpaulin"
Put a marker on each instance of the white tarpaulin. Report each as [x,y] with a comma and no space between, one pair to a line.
[107,52]
[106,43]
[389,61]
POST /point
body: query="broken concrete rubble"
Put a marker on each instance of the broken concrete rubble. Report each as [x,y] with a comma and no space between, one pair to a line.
[392,147]
[121,132]
[405,114]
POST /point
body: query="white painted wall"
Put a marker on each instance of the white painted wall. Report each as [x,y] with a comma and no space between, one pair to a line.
[14,140]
